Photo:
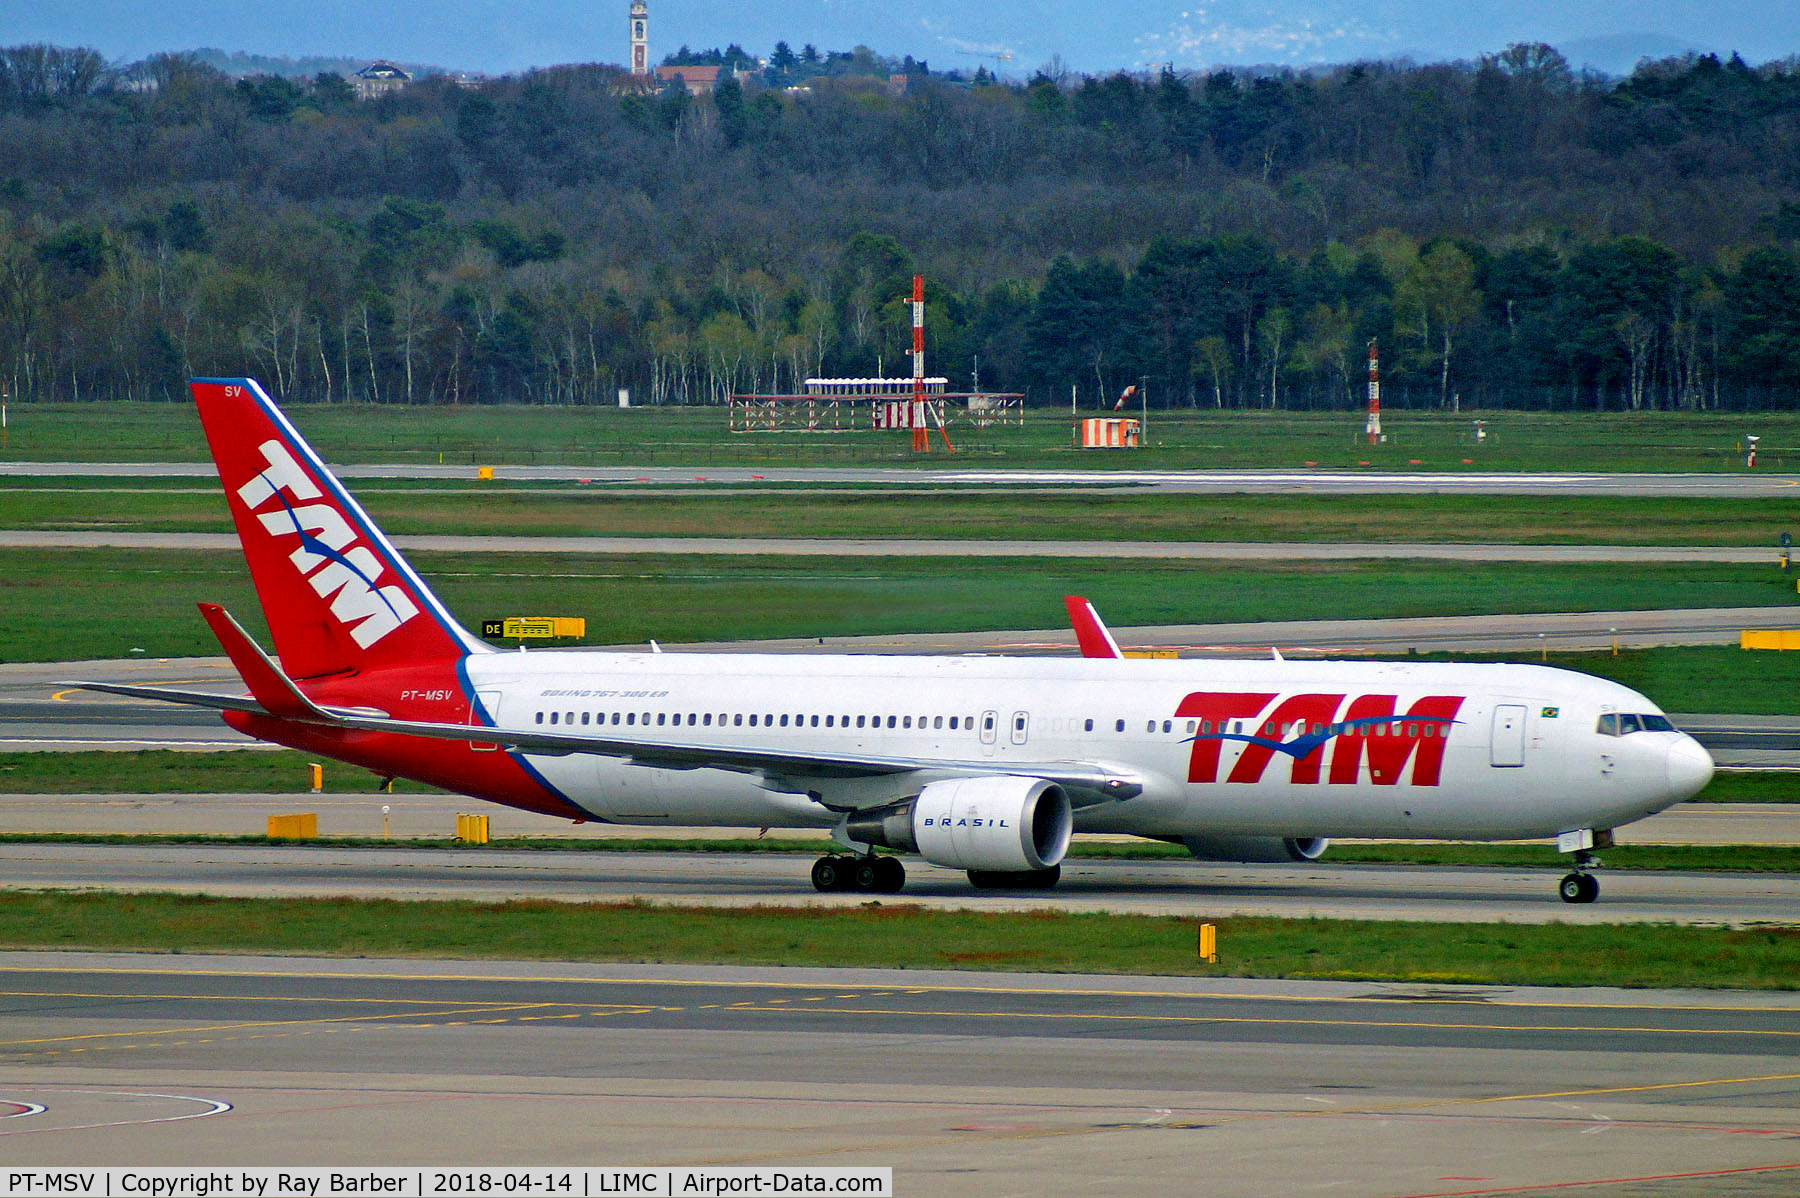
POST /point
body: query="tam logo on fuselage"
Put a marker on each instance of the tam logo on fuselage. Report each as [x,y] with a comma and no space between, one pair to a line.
[340,571]
[1303,726]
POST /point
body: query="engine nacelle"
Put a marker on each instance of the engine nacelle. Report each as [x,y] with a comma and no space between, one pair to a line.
[1003,823]
[1256,848]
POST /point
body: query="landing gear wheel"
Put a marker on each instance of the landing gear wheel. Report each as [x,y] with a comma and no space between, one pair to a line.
[1579,888]
[831,873]
[890,875]
[865,875]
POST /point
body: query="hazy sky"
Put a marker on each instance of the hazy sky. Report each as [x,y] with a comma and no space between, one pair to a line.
[1090,35]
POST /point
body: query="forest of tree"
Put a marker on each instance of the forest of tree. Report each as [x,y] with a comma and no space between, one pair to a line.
[1513,233]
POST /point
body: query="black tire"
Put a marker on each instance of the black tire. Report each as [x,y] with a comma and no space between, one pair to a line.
[865,875]
[890,875]
[1578,888]
[828,874]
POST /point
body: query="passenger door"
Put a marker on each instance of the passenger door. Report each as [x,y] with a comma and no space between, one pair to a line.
[1508,745]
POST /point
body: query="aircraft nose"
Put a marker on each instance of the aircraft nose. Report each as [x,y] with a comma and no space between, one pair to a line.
[1689,768]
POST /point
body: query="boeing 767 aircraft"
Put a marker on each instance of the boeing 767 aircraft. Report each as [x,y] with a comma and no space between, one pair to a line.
[983,764]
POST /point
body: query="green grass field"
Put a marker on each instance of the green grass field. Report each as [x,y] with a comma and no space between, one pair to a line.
[1188,439]
[73,604]
[903,937]
[473,509]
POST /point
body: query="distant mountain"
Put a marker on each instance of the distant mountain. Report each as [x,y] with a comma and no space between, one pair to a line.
[1619,53]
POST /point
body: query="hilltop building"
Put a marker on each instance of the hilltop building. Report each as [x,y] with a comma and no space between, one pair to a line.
[698,80]
[379,78]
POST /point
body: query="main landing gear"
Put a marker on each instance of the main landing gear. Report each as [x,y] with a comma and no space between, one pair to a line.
[1580,886]
[869,874]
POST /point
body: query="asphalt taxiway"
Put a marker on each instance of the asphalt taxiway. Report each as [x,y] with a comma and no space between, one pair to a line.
[962,1082]
[1157,887]
[371,814]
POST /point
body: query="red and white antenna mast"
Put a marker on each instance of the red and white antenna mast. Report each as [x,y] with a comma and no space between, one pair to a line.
[921,411]
[921,438]
[1374,425]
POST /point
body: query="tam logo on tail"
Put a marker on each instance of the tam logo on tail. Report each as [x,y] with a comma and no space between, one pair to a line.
[340,570]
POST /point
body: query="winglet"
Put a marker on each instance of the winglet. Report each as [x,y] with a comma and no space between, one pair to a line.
[1090,633]
[271,688]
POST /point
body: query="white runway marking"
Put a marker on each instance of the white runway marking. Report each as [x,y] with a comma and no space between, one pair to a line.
[213,1106]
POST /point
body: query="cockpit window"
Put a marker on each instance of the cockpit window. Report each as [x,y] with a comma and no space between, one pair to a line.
[1614,724]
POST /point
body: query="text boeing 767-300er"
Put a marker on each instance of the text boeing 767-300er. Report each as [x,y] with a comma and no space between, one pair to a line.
[984,764]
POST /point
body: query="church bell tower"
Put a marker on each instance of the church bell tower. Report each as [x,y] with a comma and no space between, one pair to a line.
[640,37]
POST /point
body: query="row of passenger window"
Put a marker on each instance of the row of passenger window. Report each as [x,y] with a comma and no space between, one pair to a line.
[740,719]
[663,719]
[1299,728]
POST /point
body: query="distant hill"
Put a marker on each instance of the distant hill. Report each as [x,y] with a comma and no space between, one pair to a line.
[1619,53]
[237,64]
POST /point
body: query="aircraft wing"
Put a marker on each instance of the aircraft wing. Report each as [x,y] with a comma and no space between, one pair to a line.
[274,694]
[1088,782]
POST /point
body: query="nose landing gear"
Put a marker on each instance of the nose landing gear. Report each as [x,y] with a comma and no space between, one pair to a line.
[1580,886]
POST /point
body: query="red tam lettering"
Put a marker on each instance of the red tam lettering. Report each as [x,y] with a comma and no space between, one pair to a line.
[1306,748]
[1212,710]
[1371,726]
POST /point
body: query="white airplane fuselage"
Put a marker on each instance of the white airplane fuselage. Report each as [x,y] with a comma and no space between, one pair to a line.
[1520,758]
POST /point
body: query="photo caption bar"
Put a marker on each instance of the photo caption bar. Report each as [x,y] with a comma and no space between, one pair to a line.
[440,1182]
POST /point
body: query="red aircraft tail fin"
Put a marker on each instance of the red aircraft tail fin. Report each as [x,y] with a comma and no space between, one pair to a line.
[337,595]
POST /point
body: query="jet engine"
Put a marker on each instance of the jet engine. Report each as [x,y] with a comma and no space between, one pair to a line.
[1004,824]
[1256,848]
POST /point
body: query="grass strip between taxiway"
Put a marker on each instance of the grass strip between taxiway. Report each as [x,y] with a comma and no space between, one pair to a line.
[1721,858]
[959,514]
[897,936]
[81,604]
[598,435]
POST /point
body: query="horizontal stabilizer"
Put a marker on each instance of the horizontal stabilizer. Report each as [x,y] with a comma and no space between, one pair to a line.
[273,690]
[166,694]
